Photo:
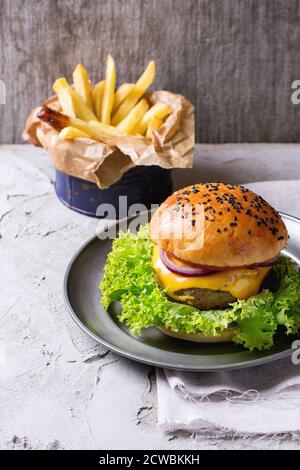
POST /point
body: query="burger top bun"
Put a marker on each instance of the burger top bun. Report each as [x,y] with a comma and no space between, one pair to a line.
[217,224]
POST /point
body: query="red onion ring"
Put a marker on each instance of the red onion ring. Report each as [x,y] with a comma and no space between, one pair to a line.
[194,270]
[182,271]
[264,264]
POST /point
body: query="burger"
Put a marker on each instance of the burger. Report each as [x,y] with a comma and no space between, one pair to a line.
[207,268]
[225,261]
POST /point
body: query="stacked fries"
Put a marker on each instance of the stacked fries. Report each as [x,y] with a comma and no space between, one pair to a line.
[100,111]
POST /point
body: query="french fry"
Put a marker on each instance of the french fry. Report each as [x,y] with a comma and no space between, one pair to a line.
[133,117]
[143,83]
[60,84]
[122,93]
[66,101]
[105,130]
[70,133]
[81,109]
[154,124]
[82,85]
[62,88]
[159,110]
[109,90]
[94,129]
[97,95]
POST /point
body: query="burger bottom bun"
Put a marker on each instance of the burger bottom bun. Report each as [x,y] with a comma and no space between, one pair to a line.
[225,337]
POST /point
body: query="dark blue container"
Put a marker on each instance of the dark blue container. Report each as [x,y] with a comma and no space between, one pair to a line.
[142,184]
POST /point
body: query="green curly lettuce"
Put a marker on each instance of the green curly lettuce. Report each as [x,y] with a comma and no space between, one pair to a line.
[130,279]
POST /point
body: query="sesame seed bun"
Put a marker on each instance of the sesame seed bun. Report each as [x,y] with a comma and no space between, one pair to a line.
[227,225]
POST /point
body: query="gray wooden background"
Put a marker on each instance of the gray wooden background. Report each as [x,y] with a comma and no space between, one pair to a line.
[235,59]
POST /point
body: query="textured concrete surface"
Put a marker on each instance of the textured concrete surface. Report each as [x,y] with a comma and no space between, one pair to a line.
[58,388]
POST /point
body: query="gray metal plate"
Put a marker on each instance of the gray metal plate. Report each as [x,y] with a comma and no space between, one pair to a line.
[82,297]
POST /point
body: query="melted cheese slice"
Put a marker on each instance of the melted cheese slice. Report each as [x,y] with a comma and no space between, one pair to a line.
[241,283]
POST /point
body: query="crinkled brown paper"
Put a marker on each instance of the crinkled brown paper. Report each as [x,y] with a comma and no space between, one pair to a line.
[171,146]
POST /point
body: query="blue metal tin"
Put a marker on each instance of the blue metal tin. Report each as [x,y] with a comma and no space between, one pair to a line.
[143,184]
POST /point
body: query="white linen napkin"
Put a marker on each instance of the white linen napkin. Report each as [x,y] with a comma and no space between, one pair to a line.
[258,400]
